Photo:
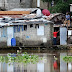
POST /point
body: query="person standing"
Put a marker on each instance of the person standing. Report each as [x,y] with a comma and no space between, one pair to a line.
[54,37]
[67,20]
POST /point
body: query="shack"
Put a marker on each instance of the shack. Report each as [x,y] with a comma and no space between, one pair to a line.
[58,19]
[28,30]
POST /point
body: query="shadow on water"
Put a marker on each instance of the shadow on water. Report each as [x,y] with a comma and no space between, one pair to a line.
[52,61]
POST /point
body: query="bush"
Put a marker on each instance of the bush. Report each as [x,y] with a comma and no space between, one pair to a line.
[60,8]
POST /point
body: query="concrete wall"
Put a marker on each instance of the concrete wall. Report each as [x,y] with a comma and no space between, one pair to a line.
[42,4]
[1,3]
[26,4]
[13,4]
[10,4]
[3,37]
[3,41]
[30,36]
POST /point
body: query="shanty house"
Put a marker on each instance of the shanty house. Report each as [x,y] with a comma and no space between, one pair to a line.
[28,30]
[34,32]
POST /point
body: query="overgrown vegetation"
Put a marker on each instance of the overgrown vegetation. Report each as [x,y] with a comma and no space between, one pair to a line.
[60,6]
[24,58]
[67,59]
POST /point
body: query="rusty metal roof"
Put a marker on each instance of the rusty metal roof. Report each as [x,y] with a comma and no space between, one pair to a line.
[26,19]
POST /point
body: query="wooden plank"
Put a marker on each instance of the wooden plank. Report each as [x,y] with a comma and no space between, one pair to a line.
[14,12]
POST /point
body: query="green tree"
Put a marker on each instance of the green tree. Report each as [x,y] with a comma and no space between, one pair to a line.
[47,0]
[56,1]
[59,5]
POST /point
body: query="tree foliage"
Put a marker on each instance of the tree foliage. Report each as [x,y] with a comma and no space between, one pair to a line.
[61,6]
[67,59]
[47,0]
[56,1]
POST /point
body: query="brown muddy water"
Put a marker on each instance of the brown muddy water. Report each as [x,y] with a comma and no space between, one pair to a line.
[47,64]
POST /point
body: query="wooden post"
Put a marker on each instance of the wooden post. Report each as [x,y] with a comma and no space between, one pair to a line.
[67,33]
[67,62]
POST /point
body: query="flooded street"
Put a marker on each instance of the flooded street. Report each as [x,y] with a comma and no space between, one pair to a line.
[47,64]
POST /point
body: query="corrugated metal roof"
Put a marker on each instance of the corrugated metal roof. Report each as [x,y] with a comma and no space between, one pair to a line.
[51,16]
[23,9]
[26,19]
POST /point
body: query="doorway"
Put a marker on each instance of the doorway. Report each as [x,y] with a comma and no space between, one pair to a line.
[58,34]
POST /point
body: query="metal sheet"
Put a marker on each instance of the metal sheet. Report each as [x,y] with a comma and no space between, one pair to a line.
[40,30]
[9,35]
[63,35]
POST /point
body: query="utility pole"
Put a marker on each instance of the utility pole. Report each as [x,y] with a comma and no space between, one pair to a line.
[38,3]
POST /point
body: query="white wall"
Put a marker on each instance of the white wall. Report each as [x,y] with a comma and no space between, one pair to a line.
[9,35]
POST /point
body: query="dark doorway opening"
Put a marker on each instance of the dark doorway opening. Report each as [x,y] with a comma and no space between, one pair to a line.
[58,35]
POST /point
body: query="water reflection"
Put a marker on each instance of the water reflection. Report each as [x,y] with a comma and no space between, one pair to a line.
[44,65]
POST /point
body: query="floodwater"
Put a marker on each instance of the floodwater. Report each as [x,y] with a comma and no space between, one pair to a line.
[47,64]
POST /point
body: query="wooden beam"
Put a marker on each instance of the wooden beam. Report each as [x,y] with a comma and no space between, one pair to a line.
[14,12]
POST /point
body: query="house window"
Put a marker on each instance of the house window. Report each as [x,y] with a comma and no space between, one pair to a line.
[37,26]
[31,25]
[21,28]
[0,31]
[4,32]
[20,1]
[15,29]
[25,27]
[18,28]
[40,30]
